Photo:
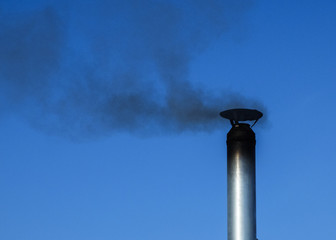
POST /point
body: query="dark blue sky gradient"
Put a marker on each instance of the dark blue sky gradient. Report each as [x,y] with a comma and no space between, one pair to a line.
[69,171]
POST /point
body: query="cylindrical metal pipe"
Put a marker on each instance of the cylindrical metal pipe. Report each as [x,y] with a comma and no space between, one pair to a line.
[241,192]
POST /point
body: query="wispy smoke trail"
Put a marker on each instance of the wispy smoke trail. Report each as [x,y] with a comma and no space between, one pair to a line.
[95,68]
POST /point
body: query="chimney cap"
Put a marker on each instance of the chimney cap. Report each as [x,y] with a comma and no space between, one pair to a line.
[241,114]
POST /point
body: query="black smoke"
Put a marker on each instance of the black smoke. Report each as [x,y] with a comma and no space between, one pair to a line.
[96,67]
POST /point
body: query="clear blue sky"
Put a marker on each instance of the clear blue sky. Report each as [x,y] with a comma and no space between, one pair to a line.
[69,171]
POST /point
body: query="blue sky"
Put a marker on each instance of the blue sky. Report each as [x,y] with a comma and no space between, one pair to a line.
[69,171]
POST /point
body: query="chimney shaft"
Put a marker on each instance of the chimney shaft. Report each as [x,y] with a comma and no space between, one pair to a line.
[241,191]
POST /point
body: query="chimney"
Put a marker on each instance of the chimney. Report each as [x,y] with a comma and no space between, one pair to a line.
[241,193]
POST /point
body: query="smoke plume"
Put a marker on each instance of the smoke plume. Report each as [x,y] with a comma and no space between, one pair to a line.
[97,67]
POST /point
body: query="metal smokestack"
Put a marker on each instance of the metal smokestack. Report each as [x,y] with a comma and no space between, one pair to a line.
[241,193]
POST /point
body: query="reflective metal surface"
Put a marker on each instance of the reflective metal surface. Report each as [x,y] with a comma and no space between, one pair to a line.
[241,183]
